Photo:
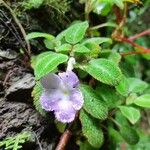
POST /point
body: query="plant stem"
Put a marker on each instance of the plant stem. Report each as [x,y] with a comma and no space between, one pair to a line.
[139,35]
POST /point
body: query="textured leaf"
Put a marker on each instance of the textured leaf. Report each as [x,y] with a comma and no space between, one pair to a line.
[132,114]
[91,100]
[143,101]
[109,95]
[64,48]
[129,134]
[47,62]
[97,40]
[105,71]
[86,146]
[34,35]
[81,49]
[123,87]
[36,93]
[91,129]
[76,32]
[115,57]
[136,85]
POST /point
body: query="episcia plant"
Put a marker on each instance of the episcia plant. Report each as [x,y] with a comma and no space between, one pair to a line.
[84,85]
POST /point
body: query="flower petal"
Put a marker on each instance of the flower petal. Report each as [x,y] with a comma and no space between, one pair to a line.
[50,81]
[69,78]
[50,99]
[65,112]
[77,99]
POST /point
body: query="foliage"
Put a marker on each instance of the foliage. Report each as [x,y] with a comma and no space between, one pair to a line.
[115,83]
[15,143]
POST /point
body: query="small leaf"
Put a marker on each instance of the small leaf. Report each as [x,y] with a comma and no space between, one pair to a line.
[47,62]
[123,87]
[91,100]
[91,129]
[36,93]
[51,44]
[76,32]
[80,49]
[136,85]
[129,134]
[64,48]
[34,35]
[105,71]
[143,101]
[97,40]
[132,114]
[115,57]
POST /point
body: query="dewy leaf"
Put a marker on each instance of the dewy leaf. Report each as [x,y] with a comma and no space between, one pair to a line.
[80,49]
[105,71]
[129,134]
[91,129]
[97,40]
[91,100]
[34,35]
[47,62]
[136,85]
[131,113]
[76,32]
[143,101]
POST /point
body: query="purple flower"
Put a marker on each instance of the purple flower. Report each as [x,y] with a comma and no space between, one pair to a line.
[61,95]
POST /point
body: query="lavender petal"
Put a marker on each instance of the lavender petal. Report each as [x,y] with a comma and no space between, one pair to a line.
[50,81]
[70,78]
[50,99]
[65,113]
[77,99]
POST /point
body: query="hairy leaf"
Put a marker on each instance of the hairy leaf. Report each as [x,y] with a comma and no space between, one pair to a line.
[47,62]
[131,113]
[76,32]
[105,71]
[129,134]
[91,100]
[91,129]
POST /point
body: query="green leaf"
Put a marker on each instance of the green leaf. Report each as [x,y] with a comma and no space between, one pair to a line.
[47,62]
[136,85]
[129,134]
[132,114]
[64,48]
[80,49]
[115,57]
[123,87]
[109,95]
[51,44]
[34,35]
[36,93]
[97,40]
[91,100]
[143,101]
[91,129]
[86,146]
[76,32]
[119,3]
[105,71]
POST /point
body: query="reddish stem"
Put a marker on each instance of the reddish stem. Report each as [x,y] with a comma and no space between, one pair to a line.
[64,140]
[139,35]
